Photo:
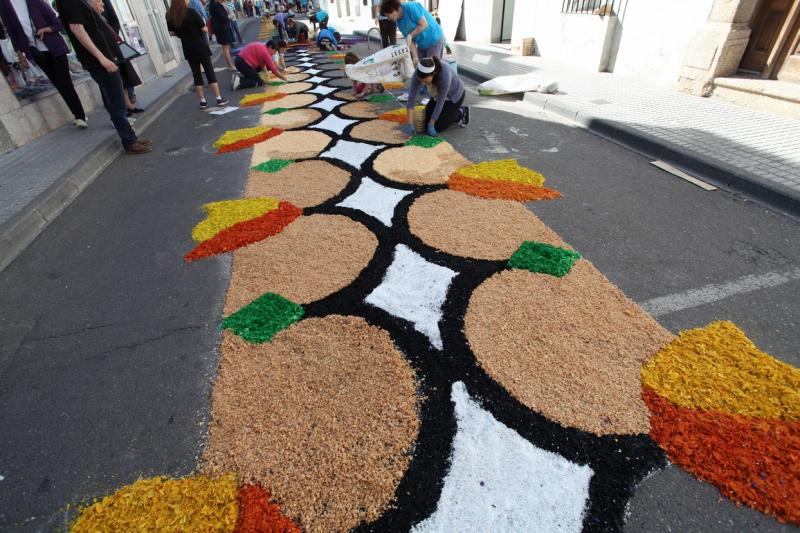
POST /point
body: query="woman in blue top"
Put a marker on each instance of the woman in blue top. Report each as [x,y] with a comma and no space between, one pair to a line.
[423,34]
[328,38]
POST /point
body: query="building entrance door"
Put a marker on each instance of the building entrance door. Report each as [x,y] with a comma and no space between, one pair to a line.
[790,69]
[507,21]
[766,25]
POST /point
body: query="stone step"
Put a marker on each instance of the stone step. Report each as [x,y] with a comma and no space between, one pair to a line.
[779,98]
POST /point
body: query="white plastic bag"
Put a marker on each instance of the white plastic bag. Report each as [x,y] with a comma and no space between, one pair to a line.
[392,64]
[517,84]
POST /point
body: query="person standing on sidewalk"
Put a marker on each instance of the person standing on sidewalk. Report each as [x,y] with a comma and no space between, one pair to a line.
[387,27]
[97,50]
[252,59]
[187,24]
[221,22]
[198,6]
[447,96]
[423,34]
[33,29]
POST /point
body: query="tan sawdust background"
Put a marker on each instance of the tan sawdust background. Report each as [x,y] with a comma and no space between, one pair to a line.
[467,226]
[312,258]
[570,348]
[291,119]
[324,417]
[360,110]
[345,95]
[381,131]
[420,166]
[304,184]
[291,145]
[291,87]
[290,101]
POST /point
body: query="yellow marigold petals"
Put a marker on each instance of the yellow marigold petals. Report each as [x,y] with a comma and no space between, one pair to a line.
[232,136]
[505,170]
[224,214]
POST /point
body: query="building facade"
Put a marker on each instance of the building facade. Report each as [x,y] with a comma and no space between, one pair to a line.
[25,118]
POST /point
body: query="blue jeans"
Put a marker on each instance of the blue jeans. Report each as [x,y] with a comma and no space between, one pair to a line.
[110,84]
[235,30]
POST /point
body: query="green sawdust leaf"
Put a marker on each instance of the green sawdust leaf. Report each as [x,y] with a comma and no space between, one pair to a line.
[543,258]
[261,319]
[273,165]
[275,83]
[424,141]
[275,111]
[379,98]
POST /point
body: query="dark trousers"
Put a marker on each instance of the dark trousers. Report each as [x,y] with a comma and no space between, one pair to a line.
[250,77]
[388,32]
[110,84]
[451,113]
[56,68]
[208,67]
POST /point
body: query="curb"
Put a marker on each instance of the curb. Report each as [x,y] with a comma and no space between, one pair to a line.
[732,179]
[17,233]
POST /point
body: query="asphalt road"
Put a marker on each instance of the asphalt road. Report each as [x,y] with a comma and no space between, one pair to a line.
[109,340]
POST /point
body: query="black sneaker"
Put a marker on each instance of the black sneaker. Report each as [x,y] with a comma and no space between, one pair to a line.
[222,101]
[464,116]
[203,104]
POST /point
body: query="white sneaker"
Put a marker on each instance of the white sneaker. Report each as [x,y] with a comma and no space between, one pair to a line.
[235,82]
[81,123]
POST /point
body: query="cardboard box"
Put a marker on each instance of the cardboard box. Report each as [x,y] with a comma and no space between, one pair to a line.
[524,46]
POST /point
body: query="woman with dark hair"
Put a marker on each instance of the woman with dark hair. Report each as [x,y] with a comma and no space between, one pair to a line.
[252,59]
[221,24]
[447,96]
[423,34]
[33,28]
[188,25]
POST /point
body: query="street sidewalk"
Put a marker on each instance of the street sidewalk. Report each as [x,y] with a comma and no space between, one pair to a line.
[40,179]
[734,147]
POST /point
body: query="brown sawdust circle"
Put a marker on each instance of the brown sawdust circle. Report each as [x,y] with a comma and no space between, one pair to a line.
[304,184]
[324,417]
[290,101]
[297,77]
[345,95]
[360,110]
[381,131]
[570,348]
[291,87]
[467,226]
[420,166]
[291,119]
[291,145]
[312,258]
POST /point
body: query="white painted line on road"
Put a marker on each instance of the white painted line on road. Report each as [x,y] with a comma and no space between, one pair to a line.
[679,301]
[683,175]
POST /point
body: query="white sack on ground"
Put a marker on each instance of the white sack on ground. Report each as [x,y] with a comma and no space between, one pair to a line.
[517,84]
[392,64]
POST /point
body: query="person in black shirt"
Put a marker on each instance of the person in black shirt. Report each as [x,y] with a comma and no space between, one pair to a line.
[96,47]
[188,25]
[297,30]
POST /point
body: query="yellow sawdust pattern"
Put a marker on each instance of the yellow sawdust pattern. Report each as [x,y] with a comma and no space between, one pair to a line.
[504,170]
[381,131]
[570,348]
[304,184]
[291,119]
[224,214]
[717,368]
[232,136]
[468,226]
[290,101]
[360,110]
[420,166]
[162,504]
[291,145]
[312,258]
[324,417]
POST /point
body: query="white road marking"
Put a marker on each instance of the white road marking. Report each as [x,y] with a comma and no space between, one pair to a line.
[664,305]
[683,175]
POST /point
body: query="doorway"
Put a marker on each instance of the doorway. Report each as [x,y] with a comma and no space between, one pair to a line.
[768,30]
[507,21]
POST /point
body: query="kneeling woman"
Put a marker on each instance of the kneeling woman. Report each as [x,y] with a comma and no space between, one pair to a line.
[252,59]
[447,96]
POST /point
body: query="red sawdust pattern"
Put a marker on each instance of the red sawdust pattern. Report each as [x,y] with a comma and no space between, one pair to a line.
[247,143]
[503,190]
[268,97]
[753,461]
[247,232]
[258,515]
[394,117]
